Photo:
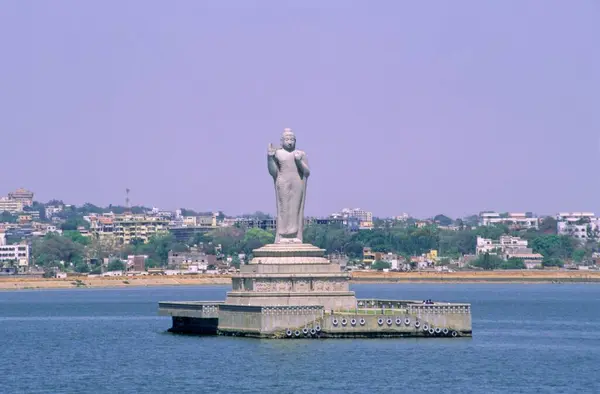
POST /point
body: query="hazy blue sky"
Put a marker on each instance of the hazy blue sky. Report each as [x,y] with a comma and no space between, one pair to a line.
[402,106]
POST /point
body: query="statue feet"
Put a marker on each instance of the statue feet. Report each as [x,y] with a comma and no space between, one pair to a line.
[289,241]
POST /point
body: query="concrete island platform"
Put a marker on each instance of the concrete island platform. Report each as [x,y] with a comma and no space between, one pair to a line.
[371,319]
[293,291]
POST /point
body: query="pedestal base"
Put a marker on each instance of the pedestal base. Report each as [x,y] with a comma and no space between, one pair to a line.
[330,300]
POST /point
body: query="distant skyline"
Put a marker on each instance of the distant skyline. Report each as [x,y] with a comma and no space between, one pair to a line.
[418,107]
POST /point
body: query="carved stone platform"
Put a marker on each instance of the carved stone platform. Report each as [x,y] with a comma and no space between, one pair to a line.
[289,253]
[291,274]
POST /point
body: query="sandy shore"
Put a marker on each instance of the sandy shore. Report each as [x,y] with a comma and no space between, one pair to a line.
[74,282]
[12,283]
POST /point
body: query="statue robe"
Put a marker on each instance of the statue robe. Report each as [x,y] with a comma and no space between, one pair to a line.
[290,192]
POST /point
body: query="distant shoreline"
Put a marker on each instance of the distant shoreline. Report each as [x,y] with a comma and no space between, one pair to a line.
[523,277]
[508,276]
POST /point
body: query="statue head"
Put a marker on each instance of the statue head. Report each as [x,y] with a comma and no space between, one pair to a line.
[288,140]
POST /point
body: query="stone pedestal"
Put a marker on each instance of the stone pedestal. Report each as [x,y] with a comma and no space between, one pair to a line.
[291,275]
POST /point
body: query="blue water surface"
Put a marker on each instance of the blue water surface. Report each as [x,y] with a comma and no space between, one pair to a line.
[527,338]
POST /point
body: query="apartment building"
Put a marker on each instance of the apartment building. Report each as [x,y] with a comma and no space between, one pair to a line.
[510,247]
[10,206]
[515,220]
[194,257]
[502,246]
[18,253]
[579,225]
[199,221]
[23,195]
[124,228]
[364,218]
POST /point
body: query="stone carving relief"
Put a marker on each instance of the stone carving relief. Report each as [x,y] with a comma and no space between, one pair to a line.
[318,285]
[302,285]
[262,286]
[283,285]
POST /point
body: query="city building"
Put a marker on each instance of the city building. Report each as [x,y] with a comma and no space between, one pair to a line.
[396,262]
[403,217]
[505,244]
[10,206]
[22,195]
[369,257]
[510,247]
[515,221]
[53,210]
[125,228]
[18,253]
[193,257]
[265,224]
[579,225]
[199,221]
[350,216]
[136,263]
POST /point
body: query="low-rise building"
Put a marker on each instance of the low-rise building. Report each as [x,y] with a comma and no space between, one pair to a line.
[126,227]
[265,224]
[369,257]
[136,263]
[504,245]
[22,195]
[364,218]
[19,254]
[579,225]
[10,206]
[514,220]
[53,210]
[193,257]
[510,247]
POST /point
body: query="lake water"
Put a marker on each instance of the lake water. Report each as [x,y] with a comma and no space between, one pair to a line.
[526,338]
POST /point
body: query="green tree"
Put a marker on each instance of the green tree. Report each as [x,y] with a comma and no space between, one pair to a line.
[116,265]
[492,231]
[230,239]
[82,267]
[471,220]
[512,264]
[442,220]
[157,248]
[53,248]
[553,262]
[254,238]
[488,262]
[554,246]
[73,222]
[547,225]
[235,261]
[88,208]
[96,271]
[6,217]
[578,255]
[76,236]
[380,265]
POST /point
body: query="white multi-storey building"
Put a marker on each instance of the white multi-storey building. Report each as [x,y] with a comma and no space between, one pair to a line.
[365,218]
[17,253]
[11,206]
[514,220]
[510,247]
[580,225]
[504,245]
